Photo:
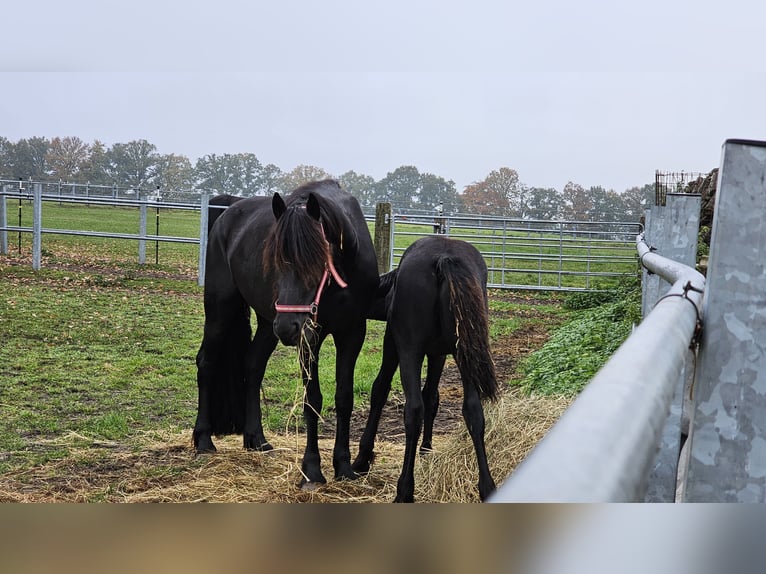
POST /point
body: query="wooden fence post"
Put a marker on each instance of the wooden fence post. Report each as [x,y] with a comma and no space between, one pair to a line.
[382,240]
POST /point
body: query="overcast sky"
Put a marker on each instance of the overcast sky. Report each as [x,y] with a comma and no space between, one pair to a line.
[593,92]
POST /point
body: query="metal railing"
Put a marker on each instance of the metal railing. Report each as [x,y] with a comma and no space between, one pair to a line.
[520,254]
[36,196]
[602,448]
[532,254]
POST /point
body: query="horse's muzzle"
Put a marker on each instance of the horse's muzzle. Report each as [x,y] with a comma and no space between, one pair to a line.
[288,327]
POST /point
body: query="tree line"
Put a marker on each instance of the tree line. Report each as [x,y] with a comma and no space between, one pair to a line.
[138,165]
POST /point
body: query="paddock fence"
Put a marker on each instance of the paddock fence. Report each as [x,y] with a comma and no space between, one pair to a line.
[520,254]
[679,411]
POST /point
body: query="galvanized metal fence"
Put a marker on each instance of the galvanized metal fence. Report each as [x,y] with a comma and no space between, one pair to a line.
[621,439]
[34,193]
[520,254]
[532,254]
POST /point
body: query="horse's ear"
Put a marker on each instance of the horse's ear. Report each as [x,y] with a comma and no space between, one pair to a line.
[278,205]
[312,206]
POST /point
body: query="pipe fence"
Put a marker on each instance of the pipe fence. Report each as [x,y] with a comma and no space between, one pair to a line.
[628,437]
[520,254]
[602,448]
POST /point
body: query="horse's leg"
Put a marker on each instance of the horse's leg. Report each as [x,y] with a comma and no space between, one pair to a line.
[202,434]
[409,369]
[431,399]
[312,406]
[473,413]
[220,365]
[381,387]
[348,346]
[263,344]
[210,371]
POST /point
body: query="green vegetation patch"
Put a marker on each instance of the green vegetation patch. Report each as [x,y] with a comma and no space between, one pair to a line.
[578,349]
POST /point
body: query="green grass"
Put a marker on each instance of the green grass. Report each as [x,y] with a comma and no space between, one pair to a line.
[112,357]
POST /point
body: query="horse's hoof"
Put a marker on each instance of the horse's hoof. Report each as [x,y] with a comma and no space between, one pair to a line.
[346,475]
[253,443]
[362,465]
[425,450]
[204,445]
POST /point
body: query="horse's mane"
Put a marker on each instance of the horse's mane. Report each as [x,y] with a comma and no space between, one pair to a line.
[299,242]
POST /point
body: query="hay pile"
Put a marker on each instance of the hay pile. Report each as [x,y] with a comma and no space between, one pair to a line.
[164,467]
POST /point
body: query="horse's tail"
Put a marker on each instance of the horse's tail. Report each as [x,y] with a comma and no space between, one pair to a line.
[228,394]
[463,307]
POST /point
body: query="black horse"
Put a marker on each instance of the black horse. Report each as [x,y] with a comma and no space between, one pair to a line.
[218,205]
[306,266]
[435,304]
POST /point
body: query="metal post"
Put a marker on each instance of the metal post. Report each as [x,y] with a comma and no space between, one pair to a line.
[728,448]
[645,308]
[37,226]
[681,229]
[3,222]
[142,228]
[157,228]
[21,188]
[655,237]
[203,219]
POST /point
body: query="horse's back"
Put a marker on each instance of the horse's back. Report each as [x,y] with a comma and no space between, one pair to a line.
[420,311]
[235,253]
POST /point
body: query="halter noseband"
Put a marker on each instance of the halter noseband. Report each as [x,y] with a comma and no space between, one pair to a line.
[313,307]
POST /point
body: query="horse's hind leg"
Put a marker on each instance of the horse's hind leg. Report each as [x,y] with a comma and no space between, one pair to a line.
[431,399]
[202,434]
[210,372]
[381,387]
[473,413]
[263,344]
[220,369]
[409,369]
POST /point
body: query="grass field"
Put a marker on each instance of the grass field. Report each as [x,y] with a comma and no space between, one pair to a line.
[104,350]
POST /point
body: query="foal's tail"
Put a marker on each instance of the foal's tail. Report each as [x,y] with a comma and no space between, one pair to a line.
[468,314]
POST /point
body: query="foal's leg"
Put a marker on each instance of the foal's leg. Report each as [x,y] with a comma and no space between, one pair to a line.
[473,413]
[263,344]
[431,399]
[381,387]
[348,345]
[409,369]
